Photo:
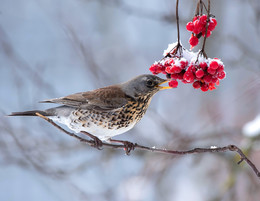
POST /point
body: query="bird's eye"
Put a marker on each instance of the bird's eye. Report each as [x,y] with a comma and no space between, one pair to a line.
[149,83]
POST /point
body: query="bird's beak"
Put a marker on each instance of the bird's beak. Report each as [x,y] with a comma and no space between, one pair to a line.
[163,87]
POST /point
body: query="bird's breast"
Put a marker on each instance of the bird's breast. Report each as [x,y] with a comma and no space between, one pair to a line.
[136,109]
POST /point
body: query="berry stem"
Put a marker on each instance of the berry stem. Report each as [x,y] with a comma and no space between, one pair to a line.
[178,47]
[198,8]
[177,21]
[203,5]
[205,37]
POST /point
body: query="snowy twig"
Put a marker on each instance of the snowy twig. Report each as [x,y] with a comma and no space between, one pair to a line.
[212,149]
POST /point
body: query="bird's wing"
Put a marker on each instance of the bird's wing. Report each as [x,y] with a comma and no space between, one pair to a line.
[107,98]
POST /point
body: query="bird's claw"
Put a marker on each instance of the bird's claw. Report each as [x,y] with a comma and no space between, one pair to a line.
[95,142]
[129,146]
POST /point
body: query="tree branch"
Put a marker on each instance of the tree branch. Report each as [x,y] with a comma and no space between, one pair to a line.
[212,149]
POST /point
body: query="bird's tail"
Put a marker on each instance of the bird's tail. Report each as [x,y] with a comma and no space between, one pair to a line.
[56,111]
[29,113]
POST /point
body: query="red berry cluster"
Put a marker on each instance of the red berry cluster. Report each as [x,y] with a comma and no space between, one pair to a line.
[198,28]
[189,68]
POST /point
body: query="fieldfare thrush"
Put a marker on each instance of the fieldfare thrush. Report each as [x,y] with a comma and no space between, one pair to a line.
[104,112]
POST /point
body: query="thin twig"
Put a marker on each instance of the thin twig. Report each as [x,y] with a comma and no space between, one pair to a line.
[202,51]
[198,8]
[177,21]
[207,25]
[203,5]
[234,148]
[178,47]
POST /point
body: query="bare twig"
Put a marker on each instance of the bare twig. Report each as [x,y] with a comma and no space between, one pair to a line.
[201,4]
[177,21]
[198,8]
[207,25]
[178,47]
[214,149]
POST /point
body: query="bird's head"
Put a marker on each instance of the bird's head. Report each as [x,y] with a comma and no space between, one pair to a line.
[144,85]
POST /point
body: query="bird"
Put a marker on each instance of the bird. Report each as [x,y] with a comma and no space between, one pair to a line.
[104,112]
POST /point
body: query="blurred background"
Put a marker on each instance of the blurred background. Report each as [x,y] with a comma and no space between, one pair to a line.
[52,48]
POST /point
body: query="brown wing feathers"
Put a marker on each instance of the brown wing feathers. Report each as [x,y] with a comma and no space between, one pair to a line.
[104,98]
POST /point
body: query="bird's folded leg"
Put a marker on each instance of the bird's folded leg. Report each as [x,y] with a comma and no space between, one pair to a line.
[129,146]
[97,143]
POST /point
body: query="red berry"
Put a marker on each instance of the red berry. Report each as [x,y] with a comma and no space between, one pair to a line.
[180,75]
[220,68]
[175,76]
[190,26]
[169,62]
[197,27]
[196,85]
[183,64]
[214,21]
[222,75]
[212,24]
[191,68]
[159,68]
[204,87]
[199,73]
[176,69]
[152,68]
[156,68]
[163,70]
[173,83]
[211,27]
[213,65]
[195,18]
[169,70]
[188,76]
[203,19]
[214,80]
[211,71]
[203,65]
[211,86]
[193,41]
[208,33]
[154,72]
[207,78]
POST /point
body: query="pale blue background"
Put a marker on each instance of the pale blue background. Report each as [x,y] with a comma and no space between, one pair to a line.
[52,48]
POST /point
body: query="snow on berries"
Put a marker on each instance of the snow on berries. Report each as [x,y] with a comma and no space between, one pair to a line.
[189,67]
[198,27]
[186,66]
